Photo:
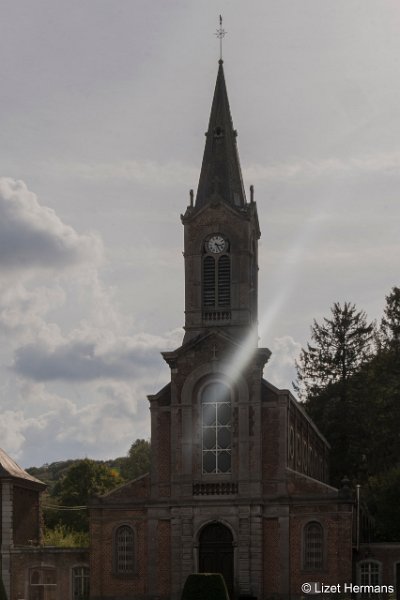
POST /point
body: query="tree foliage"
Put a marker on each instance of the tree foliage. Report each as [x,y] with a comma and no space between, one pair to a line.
[349,376]
[83,479]
[340,345]
[63,537]
[383,499]
[390,324]
[138,460]
[71,484]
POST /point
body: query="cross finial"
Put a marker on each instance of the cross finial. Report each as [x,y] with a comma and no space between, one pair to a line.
[214,351]
[220,35]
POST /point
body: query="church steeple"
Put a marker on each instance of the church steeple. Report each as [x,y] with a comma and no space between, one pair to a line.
[221,235]
[221,176]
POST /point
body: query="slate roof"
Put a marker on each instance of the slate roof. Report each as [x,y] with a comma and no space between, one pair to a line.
[9,468]
[220,175]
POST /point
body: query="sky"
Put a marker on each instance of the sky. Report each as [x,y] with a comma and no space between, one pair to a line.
[103,109]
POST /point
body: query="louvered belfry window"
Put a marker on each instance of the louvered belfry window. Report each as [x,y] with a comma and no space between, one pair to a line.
[216,282]
[209,281]
[224,281]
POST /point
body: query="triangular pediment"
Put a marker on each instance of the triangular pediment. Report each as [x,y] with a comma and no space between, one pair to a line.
[208,337]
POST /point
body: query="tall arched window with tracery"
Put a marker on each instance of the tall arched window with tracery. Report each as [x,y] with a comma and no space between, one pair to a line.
[124,550]
[313,544]
[216,408]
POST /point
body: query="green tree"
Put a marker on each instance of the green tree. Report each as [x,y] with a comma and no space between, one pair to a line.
[340,346]
[331,373]
[383,494]
[390,324]
[138,460]
[83,479]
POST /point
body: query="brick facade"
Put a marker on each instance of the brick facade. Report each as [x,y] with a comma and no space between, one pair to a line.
[28,569]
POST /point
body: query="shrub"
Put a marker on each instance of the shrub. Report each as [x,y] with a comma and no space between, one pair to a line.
[205,586]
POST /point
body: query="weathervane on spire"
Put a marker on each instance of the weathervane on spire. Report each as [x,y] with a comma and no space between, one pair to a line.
[220,35]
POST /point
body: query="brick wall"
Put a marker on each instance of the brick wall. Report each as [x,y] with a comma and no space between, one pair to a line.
[26,516]
[61,559]
[104,581]
[164,558]
[271,557]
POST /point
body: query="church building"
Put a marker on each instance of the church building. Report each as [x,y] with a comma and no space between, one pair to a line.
[239,476]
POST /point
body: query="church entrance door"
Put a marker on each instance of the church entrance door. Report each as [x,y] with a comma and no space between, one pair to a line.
[216,552]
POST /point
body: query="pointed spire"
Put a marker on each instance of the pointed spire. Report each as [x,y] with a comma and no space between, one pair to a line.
[221,176]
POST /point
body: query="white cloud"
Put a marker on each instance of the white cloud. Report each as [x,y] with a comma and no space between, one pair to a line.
[79,373]
[89,355]
[280,369]
[32,236]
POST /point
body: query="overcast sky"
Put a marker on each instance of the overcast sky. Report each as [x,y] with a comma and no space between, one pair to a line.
[104,106]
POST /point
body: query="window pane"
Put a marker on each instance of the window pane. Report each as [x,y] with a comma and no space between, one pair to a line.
[209,462]
[224,437]
[313,546]
[215,392]
[224,462]
[209,440]
[369,573]
[124,549]
[80,578]
[216,430]
[209,414]
[43,584]
[224,414]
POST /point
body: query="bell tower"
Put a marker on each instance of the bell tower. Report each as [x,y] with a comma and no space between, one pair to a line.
[221,235]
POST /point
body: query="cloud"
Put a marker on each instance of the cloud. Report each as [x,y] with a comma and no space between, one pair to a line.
[280,369]
[55,427]
[99,356]
[311,169]
[33,236]
[138,171]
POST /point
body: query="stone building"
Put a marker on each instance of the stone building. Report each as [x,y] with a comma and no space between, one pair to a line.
[29,570]
[239,477]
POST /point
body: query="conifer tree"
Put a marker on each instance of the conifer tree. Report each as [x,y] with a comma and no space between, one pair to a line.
[329,383]
[340,345]
[390,324]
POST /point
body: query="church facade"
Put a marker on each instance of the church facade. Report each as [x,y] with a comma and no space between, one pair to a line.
[239,477]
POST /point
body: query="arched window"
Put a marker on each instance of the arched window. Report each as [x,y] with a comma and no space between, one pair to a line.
[369,572]
[216,428]
[80,583]
[124,548]
[313,544]
[42,583]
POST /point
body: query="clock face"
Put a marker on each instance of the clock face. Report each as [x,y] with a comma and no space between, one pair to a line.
[216,244]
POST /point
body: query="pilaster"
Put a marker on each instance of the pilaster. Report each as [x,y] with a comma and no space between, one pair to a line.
[7,532]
